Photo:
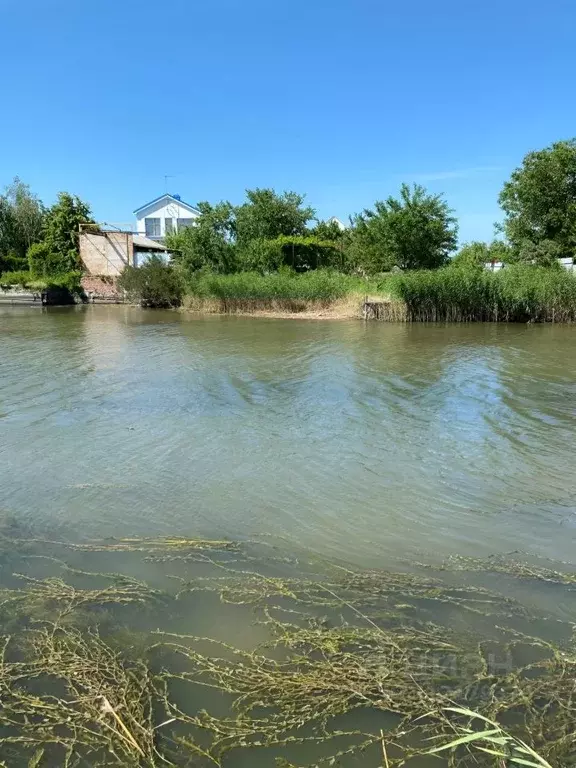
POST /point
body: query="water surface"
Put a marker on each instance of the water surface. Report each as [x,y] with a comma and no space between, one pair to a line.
[360,441]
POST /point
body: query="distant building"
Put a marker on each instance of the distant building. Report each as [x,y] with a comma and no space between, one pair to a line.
[565,263]
[163,216]
[494,266]
[341,226]
[105,253]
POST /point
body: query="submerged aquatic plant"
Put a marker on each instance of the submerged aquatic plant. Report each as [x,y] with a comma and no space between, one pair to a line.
[81,685]
[491,740]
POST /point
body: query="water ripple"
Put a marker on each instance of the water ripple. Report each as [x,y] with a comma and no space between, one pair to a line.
[361,440]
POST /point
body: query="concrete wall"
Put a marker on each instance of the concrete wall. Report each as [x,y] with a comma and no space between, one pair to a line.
[106,253]
[164,209]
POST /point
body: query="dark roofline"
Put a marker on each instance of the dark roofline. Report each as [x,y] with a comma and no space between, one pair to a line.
[166,194]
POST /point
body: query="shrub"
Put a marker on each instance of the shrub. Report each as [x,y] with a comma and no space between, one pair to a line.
[260,256]
[155,284]
[11,262]
[299,253]
[43,262]
[19,278]
[70,281]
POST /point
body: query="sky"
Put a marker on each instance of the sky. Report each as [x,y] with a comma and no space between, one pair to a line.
[341,100]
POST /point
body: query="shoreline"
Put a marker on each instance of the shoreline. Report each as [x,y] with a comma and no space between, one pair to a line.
[352,307]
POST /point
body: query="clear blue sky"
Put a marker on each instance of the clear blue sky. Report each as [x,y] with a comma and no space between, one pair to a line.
[342,100]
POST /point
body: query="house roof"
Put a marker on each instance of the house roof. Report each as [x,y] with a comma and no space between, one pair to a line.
[146,244]
[170,197]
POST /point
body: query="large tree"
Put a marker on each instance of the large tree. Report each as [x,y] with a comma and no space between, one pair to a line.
[29,215]
[22,218]
[539,200]
[267,215]
[416,231]
[63,228]
[209,243]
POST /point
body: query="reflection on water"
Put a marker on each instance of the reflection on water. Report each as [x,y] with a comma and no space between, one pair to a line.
[361,440]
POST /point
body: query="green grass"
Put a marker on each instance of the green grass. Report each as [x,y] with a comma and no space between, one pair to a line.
[515,294]
[20,279]
[320,286]
[23,279]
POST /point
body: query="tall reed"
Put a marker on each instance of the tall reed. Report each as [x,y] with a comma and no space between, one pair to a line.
[284,292]
[318,285]
[514,294]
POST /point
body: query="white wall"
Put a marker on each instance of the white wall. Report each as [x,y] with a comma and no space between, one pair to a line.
[164,209]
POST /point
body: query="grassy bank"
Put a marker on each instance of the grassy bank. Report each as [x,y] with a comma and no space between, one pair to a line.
[515,294]
[281,292]
[30,282]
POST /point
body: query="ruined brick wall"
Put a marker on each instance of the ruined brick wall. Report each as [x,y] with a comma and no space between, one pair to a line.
[101,289]
[106,253]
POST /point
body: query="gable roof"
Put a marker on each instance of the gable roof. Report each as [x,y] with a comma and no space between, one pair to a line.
[169,197]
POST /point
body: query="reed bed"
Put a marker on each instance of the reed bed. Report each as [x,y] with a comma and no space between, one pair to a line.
[514,294]
[80,686]
[283,291]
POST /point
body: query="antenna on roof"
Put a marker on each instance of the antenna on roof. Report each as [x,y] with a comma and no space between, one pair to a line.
[166,177]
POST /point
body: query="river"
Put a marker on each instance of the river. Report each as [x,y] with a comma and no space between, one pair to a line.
[355,445]
[356,438]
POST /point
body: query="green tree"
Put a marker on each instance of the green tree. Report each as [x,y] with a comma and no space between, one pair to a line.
[9,260]
[21,224]
[29,216]
[477,254]
[209,244]
[63,227]
[267,215]
[328,230]
[416,231]
[298,253]
[539,200]
[542,254]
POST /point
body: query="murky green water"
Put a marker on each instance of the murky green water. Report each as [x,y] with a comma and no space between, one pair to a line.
[359,440]
[325,442]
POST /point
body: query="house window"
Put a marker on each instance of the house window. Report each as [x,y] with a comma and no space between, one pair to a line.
[152,227]
[168,226]
[185,223]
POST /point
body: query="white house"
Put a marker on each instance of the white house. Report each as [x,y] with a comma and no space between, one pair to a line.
[164,215]
[340,224]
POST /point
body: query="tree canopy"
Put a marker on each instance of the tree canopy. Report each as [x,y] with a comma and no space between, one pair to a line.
[267,215]
[477,254]
[539,200]
[210,244]
[62,231]
[22,218]
[416,231]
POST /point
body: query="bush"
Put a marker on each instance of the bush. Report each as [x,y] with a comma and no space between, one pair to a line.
[11,262]
[20,278]
[70,281]
[155,284]
[515,294]
[299,253]
[43,262]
